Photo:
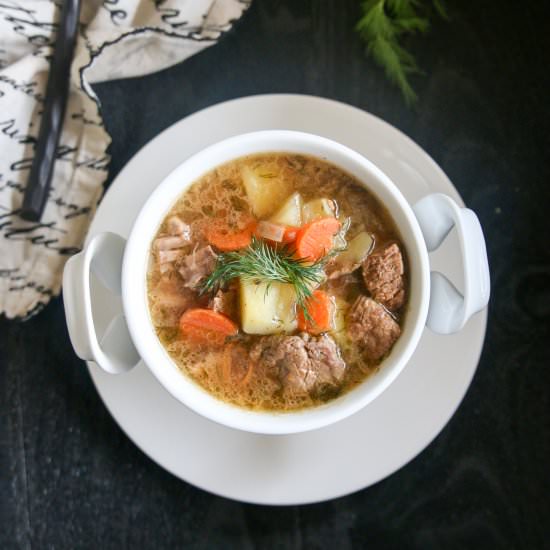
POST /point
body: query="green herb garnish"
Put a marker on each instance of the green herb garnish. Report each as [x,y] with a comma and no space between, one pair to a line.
[383,24]
[262,262]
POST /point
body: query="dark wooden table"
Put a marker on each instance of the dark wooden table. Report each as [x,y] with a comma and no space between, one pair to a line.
[69,478]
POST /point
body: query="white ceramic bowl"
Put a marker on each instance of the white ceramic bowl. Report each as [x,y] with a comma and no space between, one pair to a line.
[421,228]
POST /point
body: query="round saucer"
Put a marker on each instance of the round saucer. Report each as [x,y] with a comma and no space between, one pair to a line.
[326,463]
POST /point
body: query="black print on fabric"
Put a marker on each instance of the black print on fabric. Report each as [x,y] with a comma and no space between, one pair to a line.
[8,128]
[32,29]
[62,153]
[25,23]
[27,88]
[117,15]
[86,121]
[170,15]
[11,231]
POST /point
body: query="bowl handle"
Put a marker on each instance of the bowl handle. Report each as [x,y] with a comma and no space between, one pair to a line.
[449,310]
[103,255]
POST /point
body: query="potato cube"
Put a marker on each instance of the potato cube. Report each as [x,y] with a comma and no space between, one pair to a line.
[291,211]
[265,190]
[267,309]
[358,249]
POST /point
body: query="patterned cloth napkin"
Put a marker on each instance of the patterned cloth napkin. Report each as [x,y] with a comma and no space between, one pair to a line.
[117,39]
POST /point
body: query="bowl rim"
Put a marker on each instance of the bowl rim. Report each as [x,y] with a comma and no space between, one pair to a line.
[136,259]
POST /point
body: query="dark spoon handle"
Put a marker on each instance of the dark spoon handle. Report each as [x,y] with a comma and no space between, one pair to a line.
[57,92]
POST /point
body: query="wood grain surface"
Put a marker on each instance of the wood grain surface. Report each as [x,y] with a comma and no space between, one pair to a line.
[69,478]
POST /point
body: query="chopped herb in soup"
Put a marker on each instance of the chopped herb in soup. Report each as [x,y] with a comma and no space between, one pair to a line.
[277,282]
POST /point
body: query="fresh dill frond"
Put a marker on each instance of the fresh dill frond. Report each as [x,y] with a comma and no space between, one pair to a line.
[439,6]
[383,25]
[262,262]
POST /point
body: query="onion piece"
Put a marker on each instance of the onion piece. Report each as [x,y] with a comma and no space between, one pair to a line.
[271,231]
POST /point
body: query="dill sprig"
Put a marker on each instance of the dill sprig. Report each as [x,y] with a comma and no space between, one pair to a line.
[265,263]
[382,26]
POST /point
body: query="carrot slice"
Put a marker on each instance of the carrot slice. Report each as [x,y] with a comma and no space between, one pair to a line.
[290,234]
[314,239]
[226,241]
[203,325]
[319,308]
[198,335]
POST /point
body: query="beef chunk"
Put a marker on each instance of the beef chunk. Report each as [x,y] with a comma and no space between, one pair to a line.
[372,328]
[169,256]
[383,275]
[169,300]
[170,242]
[325,359]
[301,364]
[197,265]
[226,302]
[285,359]
[169,249]
[176,226]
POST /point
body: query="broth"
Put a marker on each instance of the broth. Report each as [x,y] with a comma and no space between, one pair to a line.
[287,369]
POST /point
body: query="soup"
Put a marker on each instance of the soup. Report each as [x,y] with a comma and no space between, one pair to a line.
[277,282]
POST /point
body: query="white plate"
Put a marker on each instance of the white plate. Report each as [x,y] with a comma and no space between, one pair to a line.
[322,464]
